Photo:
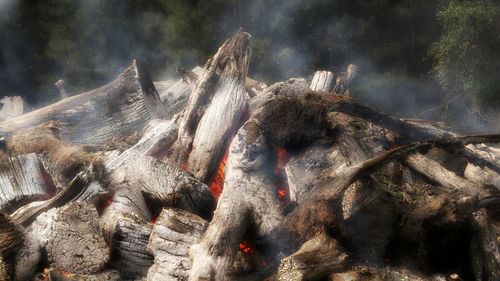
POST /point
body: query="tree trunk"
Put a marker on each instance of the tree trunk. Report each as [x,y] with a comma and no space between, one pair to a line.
[322,81]
[116,109]
[248,199]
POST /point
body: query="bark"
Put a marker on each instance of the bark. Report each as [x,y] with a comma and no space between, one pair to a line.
[248,199]
[322,81]
[173,234]
[224,73]
[386,274]
[11,241]
[56,275]
[344,80]
[116,109]
[11,107]
[27,213]
[487,243]
[23,180]
[315,260]
[175,98]
[223,114]
[437,173]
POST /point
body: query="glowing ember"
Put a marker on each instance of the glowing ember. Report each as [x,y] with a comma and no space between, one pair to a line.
[217,183]
[279,173]
[247,248]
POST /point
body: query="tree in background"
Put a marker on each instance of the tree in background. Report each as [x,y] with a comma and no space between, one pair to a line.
[467,54]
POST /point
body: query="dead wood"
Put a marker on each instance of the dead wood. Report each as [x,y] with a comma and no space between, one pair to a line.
[316,259]
[174,232]
[248,199]
[175,98]
[222,115]
[383,274]
[322,81]
[486,242]
[61,86]
[118,108]
[344,80]
[58,275]
[11,240]
[29,212]
[11,107]
[224,76]
[23,180]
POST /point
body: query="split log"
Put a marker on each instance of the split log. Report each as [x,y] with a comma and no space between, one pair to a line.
[248,199]
[315,260]
[223,81]
[222,116]
[23,180]
[118,108]
[176,97]
[322,81]
[173,234]
[344,80]
[61,86]
[11,107]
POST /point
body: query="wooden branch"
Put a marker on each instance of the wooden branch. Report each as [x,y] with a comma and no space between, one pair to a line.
[437,173]
[76,187]
[247,199]
[322,81]
[225,72]
[173,234]
[315,260]
[118,108]
[22,179]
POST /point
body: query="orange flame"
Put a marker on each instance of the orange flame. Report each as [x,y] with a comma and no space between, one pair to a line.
[217,184]
[246,248]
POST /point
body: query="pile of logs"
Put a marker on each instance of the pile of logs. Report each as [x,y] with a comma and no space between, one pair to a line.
[221,177]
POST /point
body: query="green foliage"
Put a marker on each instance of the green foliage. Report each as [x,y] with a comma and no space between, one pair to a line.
[468,53]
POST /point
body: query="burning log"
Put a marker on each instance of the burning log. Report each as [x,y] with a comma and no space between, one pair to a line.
[315,260]
[118,108]
[488,249]
[291,87]
[214,108]
[23,180]
[387,273]
[173,234]
[247,199]
[322,81]
[56,275]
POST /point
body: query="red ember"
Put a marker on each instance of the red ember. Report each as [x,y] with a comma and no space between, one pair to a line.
[247,248]
[217,183]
